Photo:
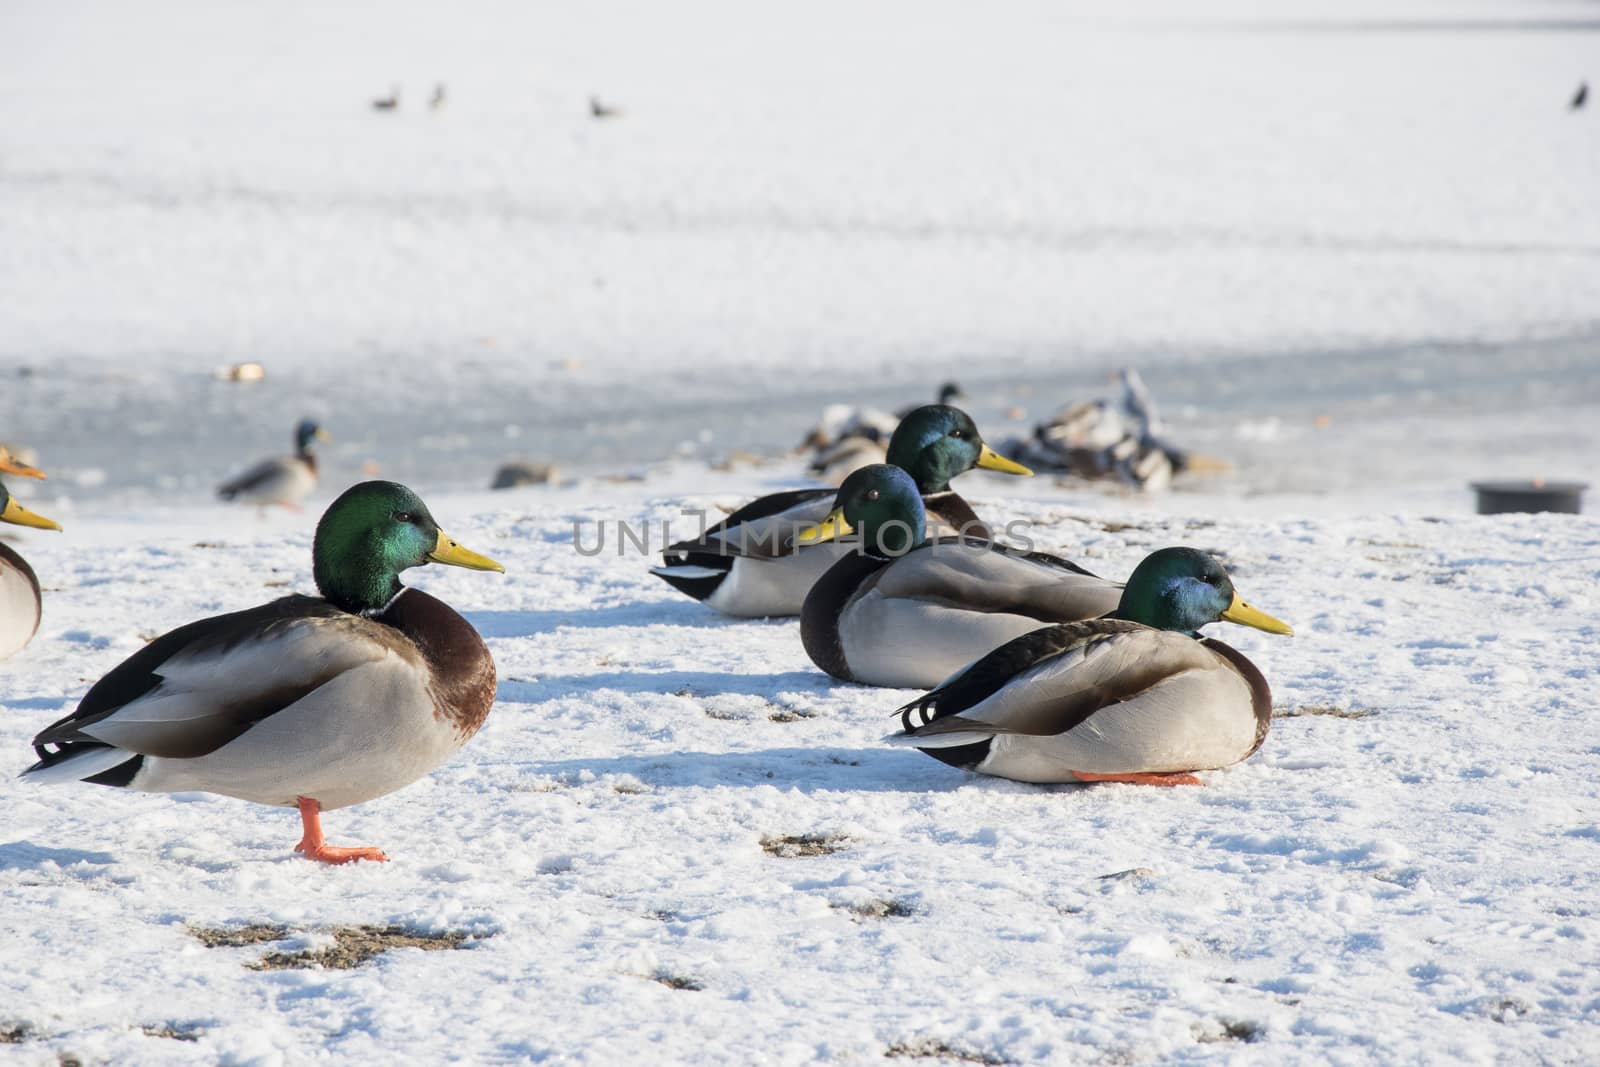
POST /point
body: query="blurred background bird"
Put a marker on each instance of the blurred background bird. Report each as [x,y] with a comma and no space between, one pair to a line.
[283,481]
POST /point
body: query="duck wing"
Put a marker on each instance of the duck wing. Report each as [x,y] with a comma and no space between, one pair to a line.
[193,690]
[262,476]
[1049,681]
[995,578]
[761,529]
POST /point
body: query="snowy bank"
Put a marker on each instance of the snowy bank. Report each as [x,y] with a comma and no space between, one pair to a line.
[675,840]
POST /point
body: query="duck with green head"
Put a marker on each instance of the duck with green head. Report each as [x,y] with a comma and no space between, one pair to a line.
[20,601]
[283,481]
[904,610]
[750,563]
[1138,696]
[306,702]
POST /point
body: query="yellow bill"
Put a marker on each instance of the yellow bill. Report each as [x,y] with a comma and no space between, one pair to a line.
[12,465]
[829,529]
[447,551]
[1245,615]
[322,435]
[990,460]
[15,512]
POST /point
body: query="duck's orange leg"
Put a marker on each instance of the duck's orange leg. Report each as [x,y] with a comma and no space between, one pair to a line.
[315,848]
[1177,778]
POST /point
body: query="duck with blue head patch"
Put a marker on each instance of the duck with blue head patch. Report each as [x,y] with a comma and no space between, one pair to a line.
[20,600]
[901,609]
[306,702]
[750,563]
[1138,696]
[283,481]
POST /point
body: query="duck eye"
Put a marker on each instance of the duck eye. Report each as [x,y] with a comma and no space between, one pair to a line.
[958,434]
[402,516]
[872,494]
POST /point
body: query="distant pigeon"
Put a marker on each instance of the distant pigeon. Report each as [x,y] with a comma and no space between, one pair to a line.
[1581,97]
[600,110]
[388,103]
[438,97]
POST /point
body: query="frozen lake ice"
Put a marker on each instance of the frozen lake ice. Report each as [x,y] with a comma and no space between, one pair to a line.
[1383,213]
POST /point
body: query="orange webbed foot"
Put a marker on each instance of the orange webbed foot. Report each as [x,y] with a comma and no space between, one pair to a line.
[1138,778]
[315,848]
[333,854]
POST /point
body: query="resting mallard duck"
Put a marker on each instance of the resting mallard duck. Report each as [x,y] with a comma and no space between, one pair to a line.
[849,438]
[284,480]
[846,438]
[1137,697]
[309,702]
[19,588]
[844,457]
[902,610]
[749,564]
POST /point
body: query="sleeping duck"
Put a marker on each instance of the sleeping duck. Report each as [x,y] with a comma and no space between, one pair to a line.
[1136,697]
[19,588]
[283,480]
[306,702]
[749,564]
[849,454]
[848,438]
[901,610]
[840,421]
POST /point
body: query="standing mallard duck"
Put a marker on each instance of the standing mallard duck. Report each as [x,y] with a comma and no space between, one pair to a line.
[902,610]
[315,703]
[19,588]
[749,563]
[282,480]
[1137,697]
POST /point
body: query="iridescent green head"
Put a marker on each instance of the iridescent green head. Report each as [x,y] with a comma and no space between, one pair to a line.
[879,504]
[369,535]
[1184,589]
[936,442]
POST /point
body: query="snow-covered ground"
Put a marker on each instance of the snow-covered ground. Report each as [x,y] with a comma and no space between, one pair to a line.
[1354,248]
[1406,873]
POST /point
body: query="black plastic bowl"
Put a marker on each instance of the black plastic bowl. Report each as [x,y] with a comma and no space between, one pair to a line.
[1496,498]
